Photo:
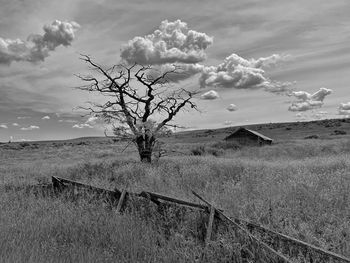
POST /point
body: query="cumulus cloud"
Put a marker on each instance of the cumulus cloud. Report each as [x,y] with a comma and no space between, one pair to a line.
[82,126]
[305,105]
[3,126]
[37,47]
[232,107]
[306,101]
[317,96]
[271,61]
[210,95]
[172,42]
[89,123]
[46,117]
[344,108]
[30,128]
[15,124]
[91,120]
[237,72]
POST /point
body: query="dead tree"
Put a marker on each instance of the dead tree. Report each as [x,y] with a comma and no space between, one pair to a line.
[135,94]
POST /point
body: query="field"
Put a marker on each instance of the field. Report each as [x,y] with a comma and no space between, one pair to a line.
[297,186]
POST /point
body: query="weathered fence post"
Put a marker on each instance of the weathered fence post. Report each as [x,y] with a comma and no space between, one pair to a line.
[121,201]
[210,225]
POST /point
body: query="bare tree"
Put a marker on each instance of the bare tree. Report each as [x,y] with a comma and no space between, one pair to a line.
[135,94]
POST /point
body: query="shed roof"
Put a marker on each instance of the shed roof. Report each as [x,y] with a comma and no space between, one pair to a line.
[254,132]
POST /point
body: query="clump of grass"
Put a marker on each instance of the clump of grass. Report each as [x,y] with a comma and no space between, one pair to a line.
[232,145]
[201,150]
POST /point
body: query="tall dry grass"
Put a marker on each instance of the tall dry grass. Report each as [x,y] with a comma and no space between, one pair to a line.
[299,188]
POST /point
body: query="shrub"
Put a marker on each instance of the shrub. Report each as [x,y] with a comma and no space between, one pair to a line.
[314,136]
[207,150]
[339,132]
[214,151]
[24,144]
[198,150]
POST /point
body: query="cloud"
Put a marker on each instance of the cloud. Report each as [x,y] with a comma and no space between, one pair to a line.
[232,107]
[306,101]
[344,108]
[227,122]
[319,114]
[37,47]
[82,126]
[15,124]
[237,72]
[68,120]
[92,120]
[3,126]
[317,96]
[305,105]
[172,42]
[45,117]
[30,128]
[271,61]
[23,117]
[210,95]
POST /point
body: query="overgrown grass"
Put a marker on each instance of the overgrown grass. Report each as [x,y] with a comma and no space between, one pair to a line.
[299,188]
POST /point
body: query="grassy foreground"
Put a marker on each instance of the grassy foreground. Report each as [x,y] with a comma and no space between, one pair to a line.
[300,188]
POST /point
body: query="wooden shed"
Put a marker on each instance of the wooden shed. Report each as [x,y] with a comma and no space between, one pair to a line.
[249,137]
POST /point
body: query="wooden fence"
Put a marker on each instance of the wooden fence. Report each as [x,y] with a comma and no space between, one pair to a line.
[275,246]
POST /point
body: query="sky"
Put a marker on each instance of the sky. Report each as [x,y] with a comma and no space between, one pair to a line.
[253,61]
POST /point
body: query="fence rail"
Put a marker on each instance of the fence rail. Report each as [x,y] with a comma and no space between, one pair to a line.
[245,227]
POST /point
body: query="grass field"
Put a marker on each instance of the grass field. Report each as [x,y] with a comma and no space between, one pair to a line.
[296,186]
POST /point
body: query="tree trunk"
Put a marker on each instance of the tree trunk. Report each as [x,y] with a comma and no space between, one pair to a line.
[146,156]
[145,147]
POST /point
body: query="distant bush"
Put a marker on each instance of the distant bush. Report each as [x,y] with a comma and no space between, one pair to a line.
[81,143]
[214,151]
[198,150]
[206,150]
[339,132]
[24,144]
[314,136]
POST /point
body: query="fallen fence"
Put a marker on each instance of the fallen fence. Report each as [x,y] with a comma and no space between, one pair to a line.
[264,244]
